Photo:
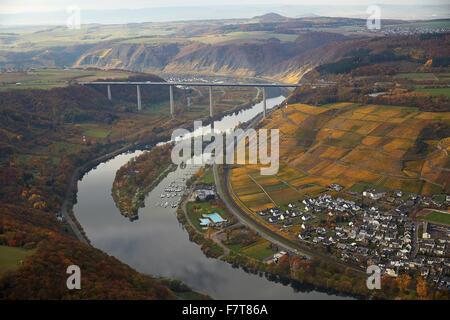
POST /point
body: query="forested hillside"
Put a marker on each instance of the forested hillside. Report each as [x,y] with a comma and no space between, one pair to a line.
[43,274]
[44,136]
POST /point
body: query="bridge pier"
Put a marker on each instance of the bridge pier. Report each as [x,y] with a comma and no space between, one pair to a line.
[138,93]
[264,102]
[109,92]
[190,84]
[211,107]
[172,108]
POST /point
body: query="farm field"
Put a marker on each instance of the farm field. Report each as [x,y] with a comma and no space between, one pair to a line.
[417,76]
[96,133]
[355,146]
[258,250]
[53,77]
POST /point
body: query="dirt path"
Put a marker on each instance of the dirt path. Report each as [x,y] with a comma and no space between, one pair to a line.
[214,237]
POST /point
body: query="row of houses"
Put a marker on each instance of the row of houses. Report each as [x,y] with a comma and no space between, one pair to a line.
[365,234]
[371,236]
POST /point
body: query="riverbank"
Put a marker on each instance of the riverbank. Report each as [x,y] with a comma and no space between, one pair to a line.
[287,269]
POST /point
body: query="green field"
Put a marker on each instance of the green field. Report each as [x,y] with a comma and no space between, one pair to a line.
[11,256]
[96,133]
[429,24]
[360,187]
[258,250]
[205,208]
[207,178]
[439,217]
[435,91]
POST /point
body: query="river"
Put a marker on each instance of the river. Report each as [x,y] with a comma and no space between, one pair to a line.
[157,243]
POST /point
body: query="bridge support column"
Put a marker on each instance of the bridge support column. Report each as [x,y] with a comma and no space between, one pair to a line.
[211,107]
[264,102]
[138,93]
[109,92]
[172,108]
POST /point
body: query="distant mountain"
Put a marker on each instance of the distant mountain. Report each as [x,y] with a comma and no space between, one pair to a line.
[283,50]
[272,16]
[282,60]
[268,58]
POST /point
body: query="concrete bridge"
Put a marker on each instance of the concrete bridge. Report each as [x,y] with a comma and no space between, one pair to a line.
[189,84]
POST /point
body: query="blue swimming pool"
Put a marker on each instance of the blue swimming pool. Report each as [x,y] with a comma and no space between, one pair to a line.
[204,222]
[215,217]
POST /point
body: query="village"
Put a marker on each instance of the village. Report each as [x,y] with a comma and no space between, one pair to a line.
[360,233]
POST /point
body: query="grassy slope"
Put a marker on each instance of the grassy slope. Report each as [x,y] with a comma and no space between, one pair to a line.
[11,256]
[258,250]
[207,178]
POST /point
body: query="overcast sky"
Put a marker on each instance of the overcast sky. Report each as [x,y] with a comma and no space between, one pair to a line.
[19,6]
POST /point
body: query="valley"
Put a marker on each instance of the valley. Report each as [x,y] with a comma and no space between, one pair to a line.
[71,126]
[87,178]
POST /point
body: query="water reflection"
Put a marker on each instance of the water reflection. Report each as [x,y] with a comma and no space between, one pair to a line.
[230,121]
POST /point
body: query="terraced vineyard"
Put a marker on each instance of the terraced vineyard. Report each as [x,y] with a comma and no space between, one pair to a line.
[355,146]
